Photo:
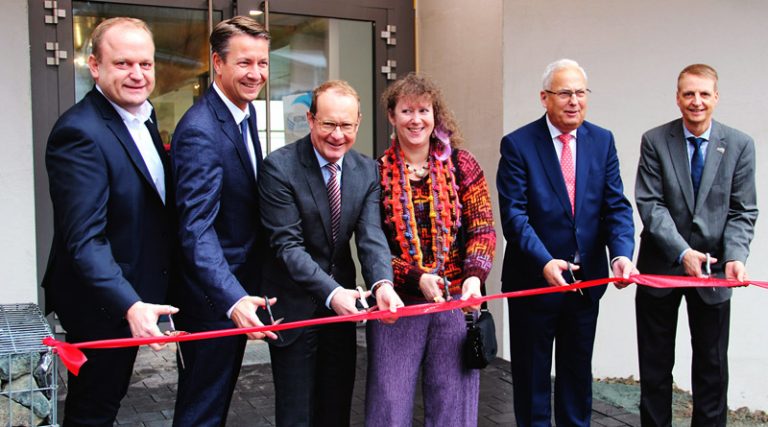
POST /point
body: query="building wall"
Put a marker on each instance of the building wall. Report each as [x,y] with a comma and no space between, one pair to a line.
[489,59]
[18,271]
[460,48]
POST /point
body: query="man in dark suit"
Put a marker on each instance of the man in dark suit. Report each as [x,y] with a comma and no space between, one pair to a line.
[312,273]
[216,158]
[695,192]
[561,206]
[110,262]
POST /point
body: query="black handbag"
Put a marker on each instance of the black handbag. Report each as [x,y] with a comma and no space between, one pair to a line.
[480,346]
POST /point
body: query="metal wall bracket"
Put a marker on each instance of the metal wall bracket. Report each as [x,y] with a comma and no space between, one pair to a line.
[56,13]
[389,35]
[57,54]
[389,69]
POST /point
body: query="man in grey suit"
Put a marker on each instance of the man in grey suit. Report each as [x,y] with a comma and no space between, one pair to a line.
[314,194]
[695,192]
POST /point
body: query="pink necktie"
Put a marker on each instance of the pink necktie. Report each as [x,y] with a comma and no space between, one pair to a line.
[568,168]
[334,199]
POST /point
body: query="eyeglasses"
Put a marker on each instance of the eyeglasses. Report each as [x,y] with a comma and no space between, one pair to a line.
[329,126]
[567,94]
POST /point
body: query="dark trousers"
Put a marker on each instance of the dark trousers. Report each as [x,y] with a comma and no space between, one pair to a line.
[535,323]
[314,376]
[93,396]
[209,375]
[656,327]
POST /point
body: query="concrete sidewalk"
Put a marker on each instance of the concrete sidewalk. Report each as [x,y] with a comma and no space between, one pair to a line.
[151,396]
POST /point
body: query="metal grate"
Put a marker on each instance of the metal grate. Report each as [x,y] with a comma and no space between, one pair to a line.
[22,329]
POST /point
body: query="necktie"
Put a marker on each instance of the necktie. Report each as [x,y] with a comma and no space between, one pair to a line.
[568,168]
[697,162]
[248,147]
[334,199]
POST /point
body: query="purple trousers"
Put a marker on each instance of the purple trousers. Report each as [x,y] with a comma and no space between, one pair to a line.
[397,352]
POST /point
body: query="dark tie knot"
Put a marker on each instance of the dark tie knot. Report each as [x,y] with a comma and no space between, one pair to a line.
[696,141]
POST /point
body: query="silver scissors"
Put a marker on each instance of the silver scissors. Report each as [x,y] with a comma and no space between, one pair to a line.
[174,332]
[447,286]
[363,302]
[573,277]
[272,318]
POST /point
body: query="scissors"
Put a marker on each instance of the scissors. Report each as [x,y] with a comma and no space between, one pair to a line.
[174,332]
[272,318]
[447,286]
[363,302]
[573,277]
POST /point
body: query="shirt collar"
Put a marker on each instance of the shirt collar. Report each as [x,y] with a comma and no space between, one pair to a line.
[555,132]
[238,114]
[687,134]
[322,161]
[142,115]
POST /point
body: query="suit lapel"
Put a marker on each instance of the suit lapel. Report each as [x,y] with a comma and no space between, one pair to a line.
[232,131]
[678,152]
[350,190]
[583,155]
[551,165]
[317,187]
[115,123]
[715,150]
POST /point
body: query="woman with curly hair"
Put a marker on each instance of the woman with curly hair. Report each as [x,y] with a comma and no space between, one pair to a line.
[438,220]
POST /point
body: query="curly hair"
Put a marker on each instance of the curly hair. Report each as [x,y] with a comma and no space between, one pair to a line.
[416,85]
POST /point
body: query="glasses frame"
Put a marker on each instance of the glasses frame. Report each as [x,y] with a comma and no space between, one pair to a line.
[325,126]
[570,93]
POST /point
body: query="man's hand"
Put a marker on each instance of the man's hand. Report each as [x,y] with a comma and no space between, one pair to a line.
[388,300]
[142,319]
[622,268]
[471,289]
[553,272]
[344,300]
[244,316]
[736,270]
[692,260]
[431,286]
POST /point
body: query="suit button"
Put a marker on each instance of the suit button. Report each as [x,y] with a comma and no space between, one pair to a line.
[165,272]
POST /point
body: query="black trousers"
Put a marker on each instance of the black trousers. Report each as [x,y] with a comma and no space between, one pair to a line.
[656,327]
[314,376]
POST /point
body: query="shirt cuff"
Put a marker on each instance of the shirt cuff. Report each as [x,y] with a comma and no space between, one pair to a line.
[682,254]
[231,309]
[330,297]
[616,258]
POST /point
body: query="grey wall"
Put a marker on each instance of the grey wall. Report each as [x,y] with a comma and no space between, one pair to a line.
[18,274]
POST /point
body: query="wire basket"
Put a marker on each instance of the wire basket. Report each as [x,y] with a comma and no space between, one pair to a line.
[27,368]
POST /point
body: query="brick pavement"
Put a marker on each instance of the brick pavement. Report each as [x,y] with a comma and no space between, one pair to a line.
[150,398]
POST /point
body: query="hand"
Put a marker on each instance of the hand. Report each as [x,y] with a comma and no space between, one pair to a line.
[622,268]
[692,260]
[142,319]
[388,299]
[431,286]
[244,316]
[471,289]
[553,272]
[736,270]
[344,300]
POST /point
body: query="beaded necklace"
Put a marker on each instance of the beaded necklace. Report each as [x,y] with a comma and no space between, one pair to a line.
[444,207]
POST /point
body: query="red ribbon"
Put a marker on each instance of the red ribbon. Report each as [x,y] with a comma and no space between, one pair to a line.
[73,358]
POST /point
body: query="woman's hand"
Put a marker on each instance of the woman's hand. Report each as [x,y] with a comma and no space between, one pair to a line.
[471,289]
[431,286]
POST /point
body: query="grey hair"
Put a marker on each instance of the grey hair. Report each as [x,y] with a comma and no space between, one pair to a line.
[560,64]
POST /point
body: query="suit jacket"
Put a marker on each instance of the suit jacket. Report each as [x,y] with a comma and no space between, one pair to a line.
[222,241]
[113,235]
[307,266]
[536,213]
[720,220]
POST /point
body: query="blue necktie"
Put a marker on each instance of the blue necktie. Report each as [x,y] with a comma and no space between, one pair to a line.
[697,162]
[244,131]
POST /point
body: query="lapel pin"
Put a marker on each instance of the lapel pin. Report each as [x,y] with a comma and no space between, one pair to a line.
[721,150]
